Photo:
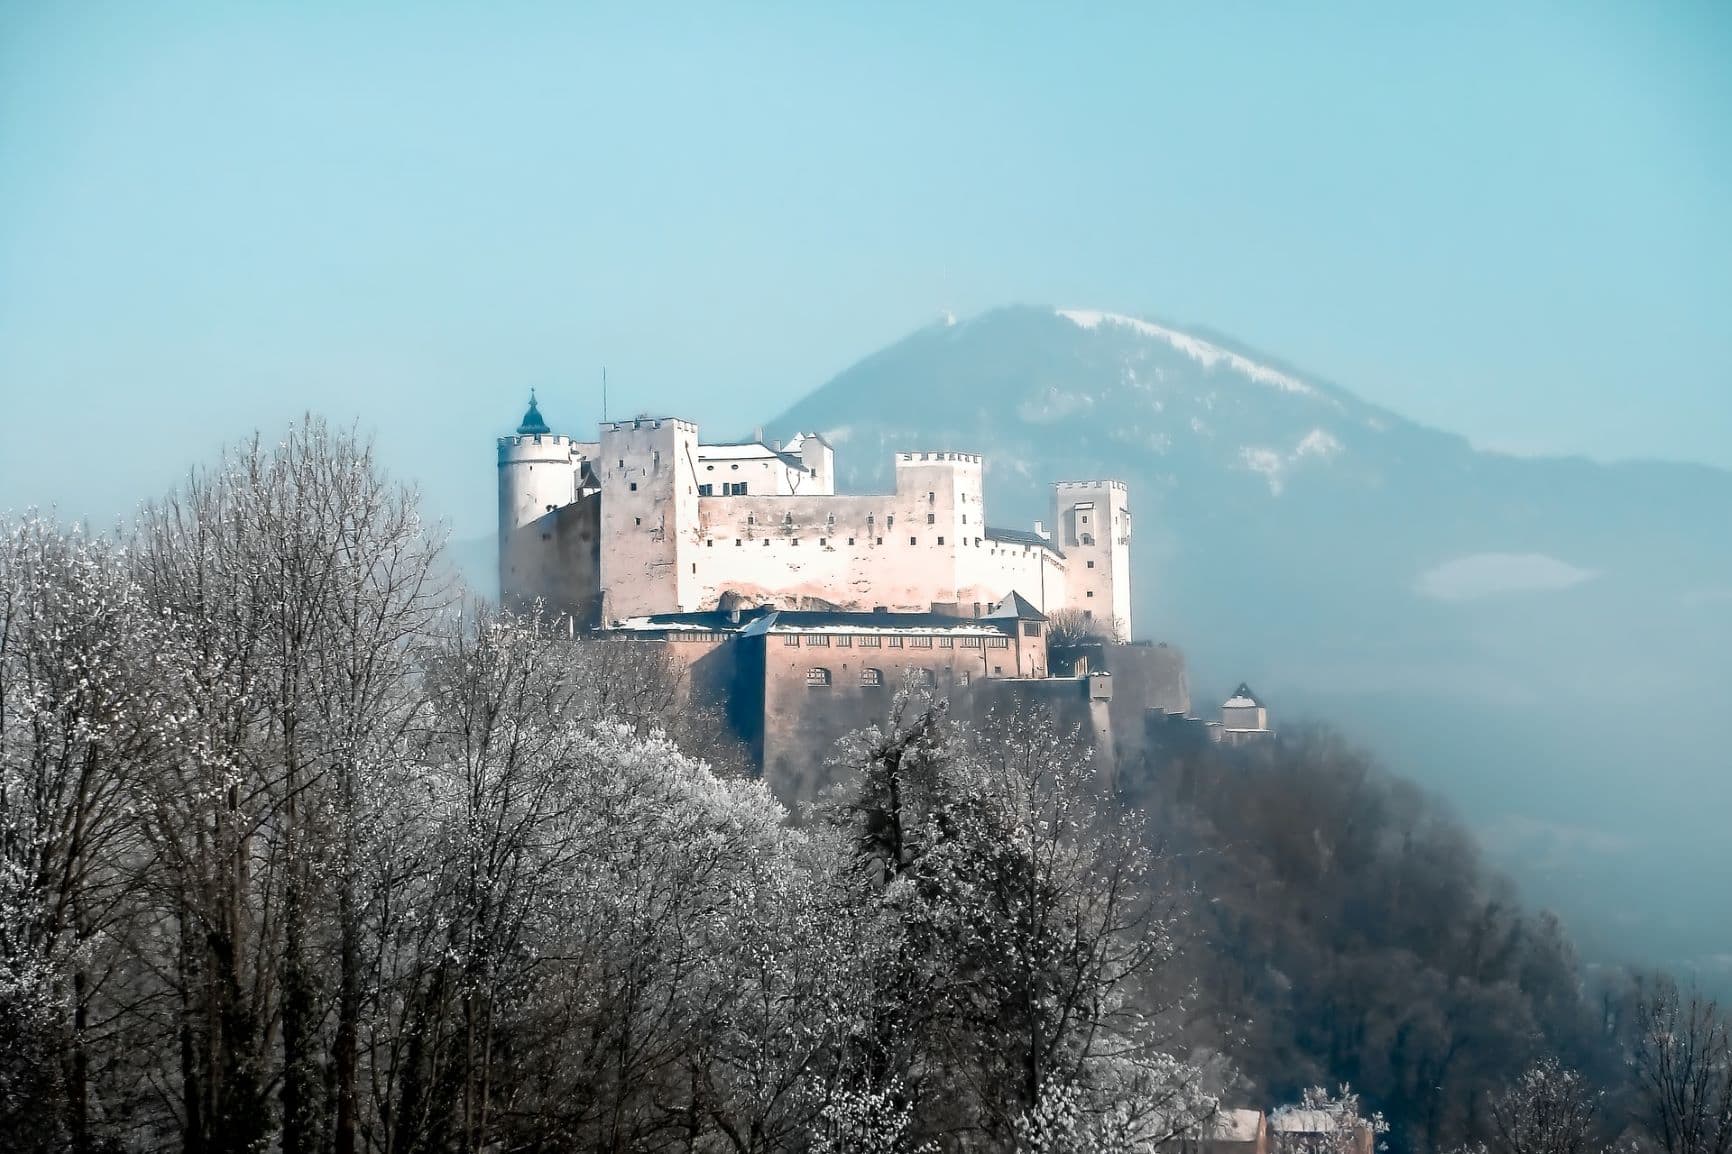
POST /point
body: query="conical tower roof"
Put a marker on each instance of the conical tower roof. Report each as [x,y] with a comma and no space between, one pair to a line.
[532,420]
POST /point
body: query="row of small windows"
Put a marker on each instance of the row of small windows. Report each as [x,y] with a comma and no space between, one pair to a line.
[894,641]
[819,678]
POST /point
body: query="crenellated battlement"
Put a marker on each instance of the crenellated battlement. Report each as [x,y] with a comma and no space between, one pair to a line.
[678,526]
[1119,486]
[935,457]
[640,423]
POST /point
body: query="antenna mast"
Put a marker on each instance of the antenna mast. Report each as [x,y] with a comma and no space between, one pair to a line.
[604,394]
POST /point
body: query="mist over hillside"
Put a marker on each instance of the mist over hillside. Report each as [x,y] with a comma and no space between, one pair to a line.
[1541,641]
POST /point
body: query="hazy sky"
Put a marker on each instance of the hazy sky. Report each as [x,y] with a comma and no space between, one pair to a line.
[1514,221]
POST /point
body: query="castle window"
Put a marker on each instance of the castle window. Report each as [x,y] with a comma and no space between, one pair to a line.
[965,518]
[881,540]
[844,641]
[766,542]
[872,677]
[1089,614]
[1030,629]
[751,519]
[931,497]
[796,541]
[932,518]
[637,520]
[923,677]
[706,490]
[1085,518]
[817,678]
[1088,538]
[941,540]
[733,466]
[914,540]
[971,643]
[1091,564]
[622,462]
[1000,642]
[709,468]
[710,542]
[869,641]
[830,520]
[787,518]
[1091,592]
[634,486]
[920,643]
[850,540]
[738,542]
[791,639]
[822,640]
[947,643]
[890,522]
[895,643]
[966,677]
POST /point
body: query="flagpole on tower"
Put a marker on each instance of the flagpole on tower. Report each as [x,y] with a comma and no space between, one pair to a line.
[604,394]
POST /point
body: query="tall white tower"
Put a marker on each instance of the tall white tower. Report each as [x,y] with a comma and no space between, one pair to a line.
[1092,524]
[539,474]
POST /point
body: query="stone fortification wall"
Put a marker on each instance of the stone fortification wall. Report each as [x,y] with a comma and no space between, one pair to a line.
[924,546]
[556,559]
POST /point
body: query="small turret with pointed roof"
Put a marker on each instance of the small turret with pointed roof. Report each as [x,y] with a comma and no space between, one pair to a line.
[533,424]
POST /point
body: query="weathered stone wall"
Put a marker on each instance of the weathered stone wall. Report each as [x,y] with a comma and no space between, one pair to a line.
[1092,523]
[556,558]
[649,508]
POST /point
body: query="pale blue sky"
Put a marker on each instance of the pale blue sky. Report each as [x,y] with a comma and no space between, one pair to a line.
[1514,221]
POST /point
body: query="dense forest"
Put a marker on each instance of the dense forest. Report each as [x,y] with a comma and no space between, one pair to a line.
[303,850]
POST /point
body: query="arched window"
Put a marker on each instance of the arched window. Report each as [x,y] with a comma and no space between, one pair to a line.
[817,678]
[872,677]
[1088,538]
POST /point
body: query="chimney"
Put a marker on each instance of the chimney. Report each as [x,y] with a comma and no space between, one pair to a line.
[776,445]
[1040,531]
[734,614]
[758,434]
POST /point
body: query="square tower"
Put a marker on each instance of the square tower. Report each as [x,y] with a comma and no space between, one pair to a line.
[649,516]
[1092,524]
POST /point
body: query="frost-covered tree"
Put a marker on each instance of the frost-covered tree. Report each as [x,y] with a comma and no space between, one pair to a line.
[1020,922]
[1325,1123]
[1681,1058]
[1549,1109]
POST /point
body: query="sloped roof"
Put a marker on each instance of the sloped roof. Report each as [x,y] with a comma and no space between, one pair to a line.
[1242,698]
[759,621]
[1020,537]
[1014,607]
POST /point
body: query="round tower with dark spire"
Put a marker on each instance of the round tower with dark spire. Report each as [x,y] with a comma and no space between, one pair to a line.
[539,473]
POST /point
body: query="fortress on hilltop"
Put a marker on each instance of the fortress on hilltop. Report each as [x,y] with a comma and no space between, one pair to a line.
[797,609]
[647,519]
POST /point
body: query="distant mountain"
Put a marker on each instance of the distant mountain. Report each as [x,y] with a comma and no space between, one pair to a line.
[1547,642]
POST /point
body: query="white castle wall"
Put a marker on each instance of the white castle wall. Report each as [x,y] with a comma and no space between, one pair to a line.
[660,547]
[1092,523]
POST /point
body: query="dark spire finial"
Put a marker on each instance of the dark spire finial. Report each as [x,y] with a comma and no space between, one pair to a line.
[532,419]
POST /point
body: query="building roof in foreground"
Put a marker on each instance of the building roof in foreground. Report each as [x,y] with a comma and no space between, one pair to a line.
[1242,698]
[1021,537]
[756,622]
[1015,607]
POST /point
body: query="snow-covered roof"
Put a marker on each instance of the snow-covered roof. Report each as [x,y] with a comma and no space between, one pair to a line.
[1237,1125]
[1242,698]
[749,451]
[1015,607]
[757,622]
[1293,1120]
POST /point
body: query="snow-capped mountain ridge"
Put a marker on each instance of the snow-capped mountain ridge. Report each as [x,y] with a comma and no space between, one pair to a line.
[1203,352]
[1495,624]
